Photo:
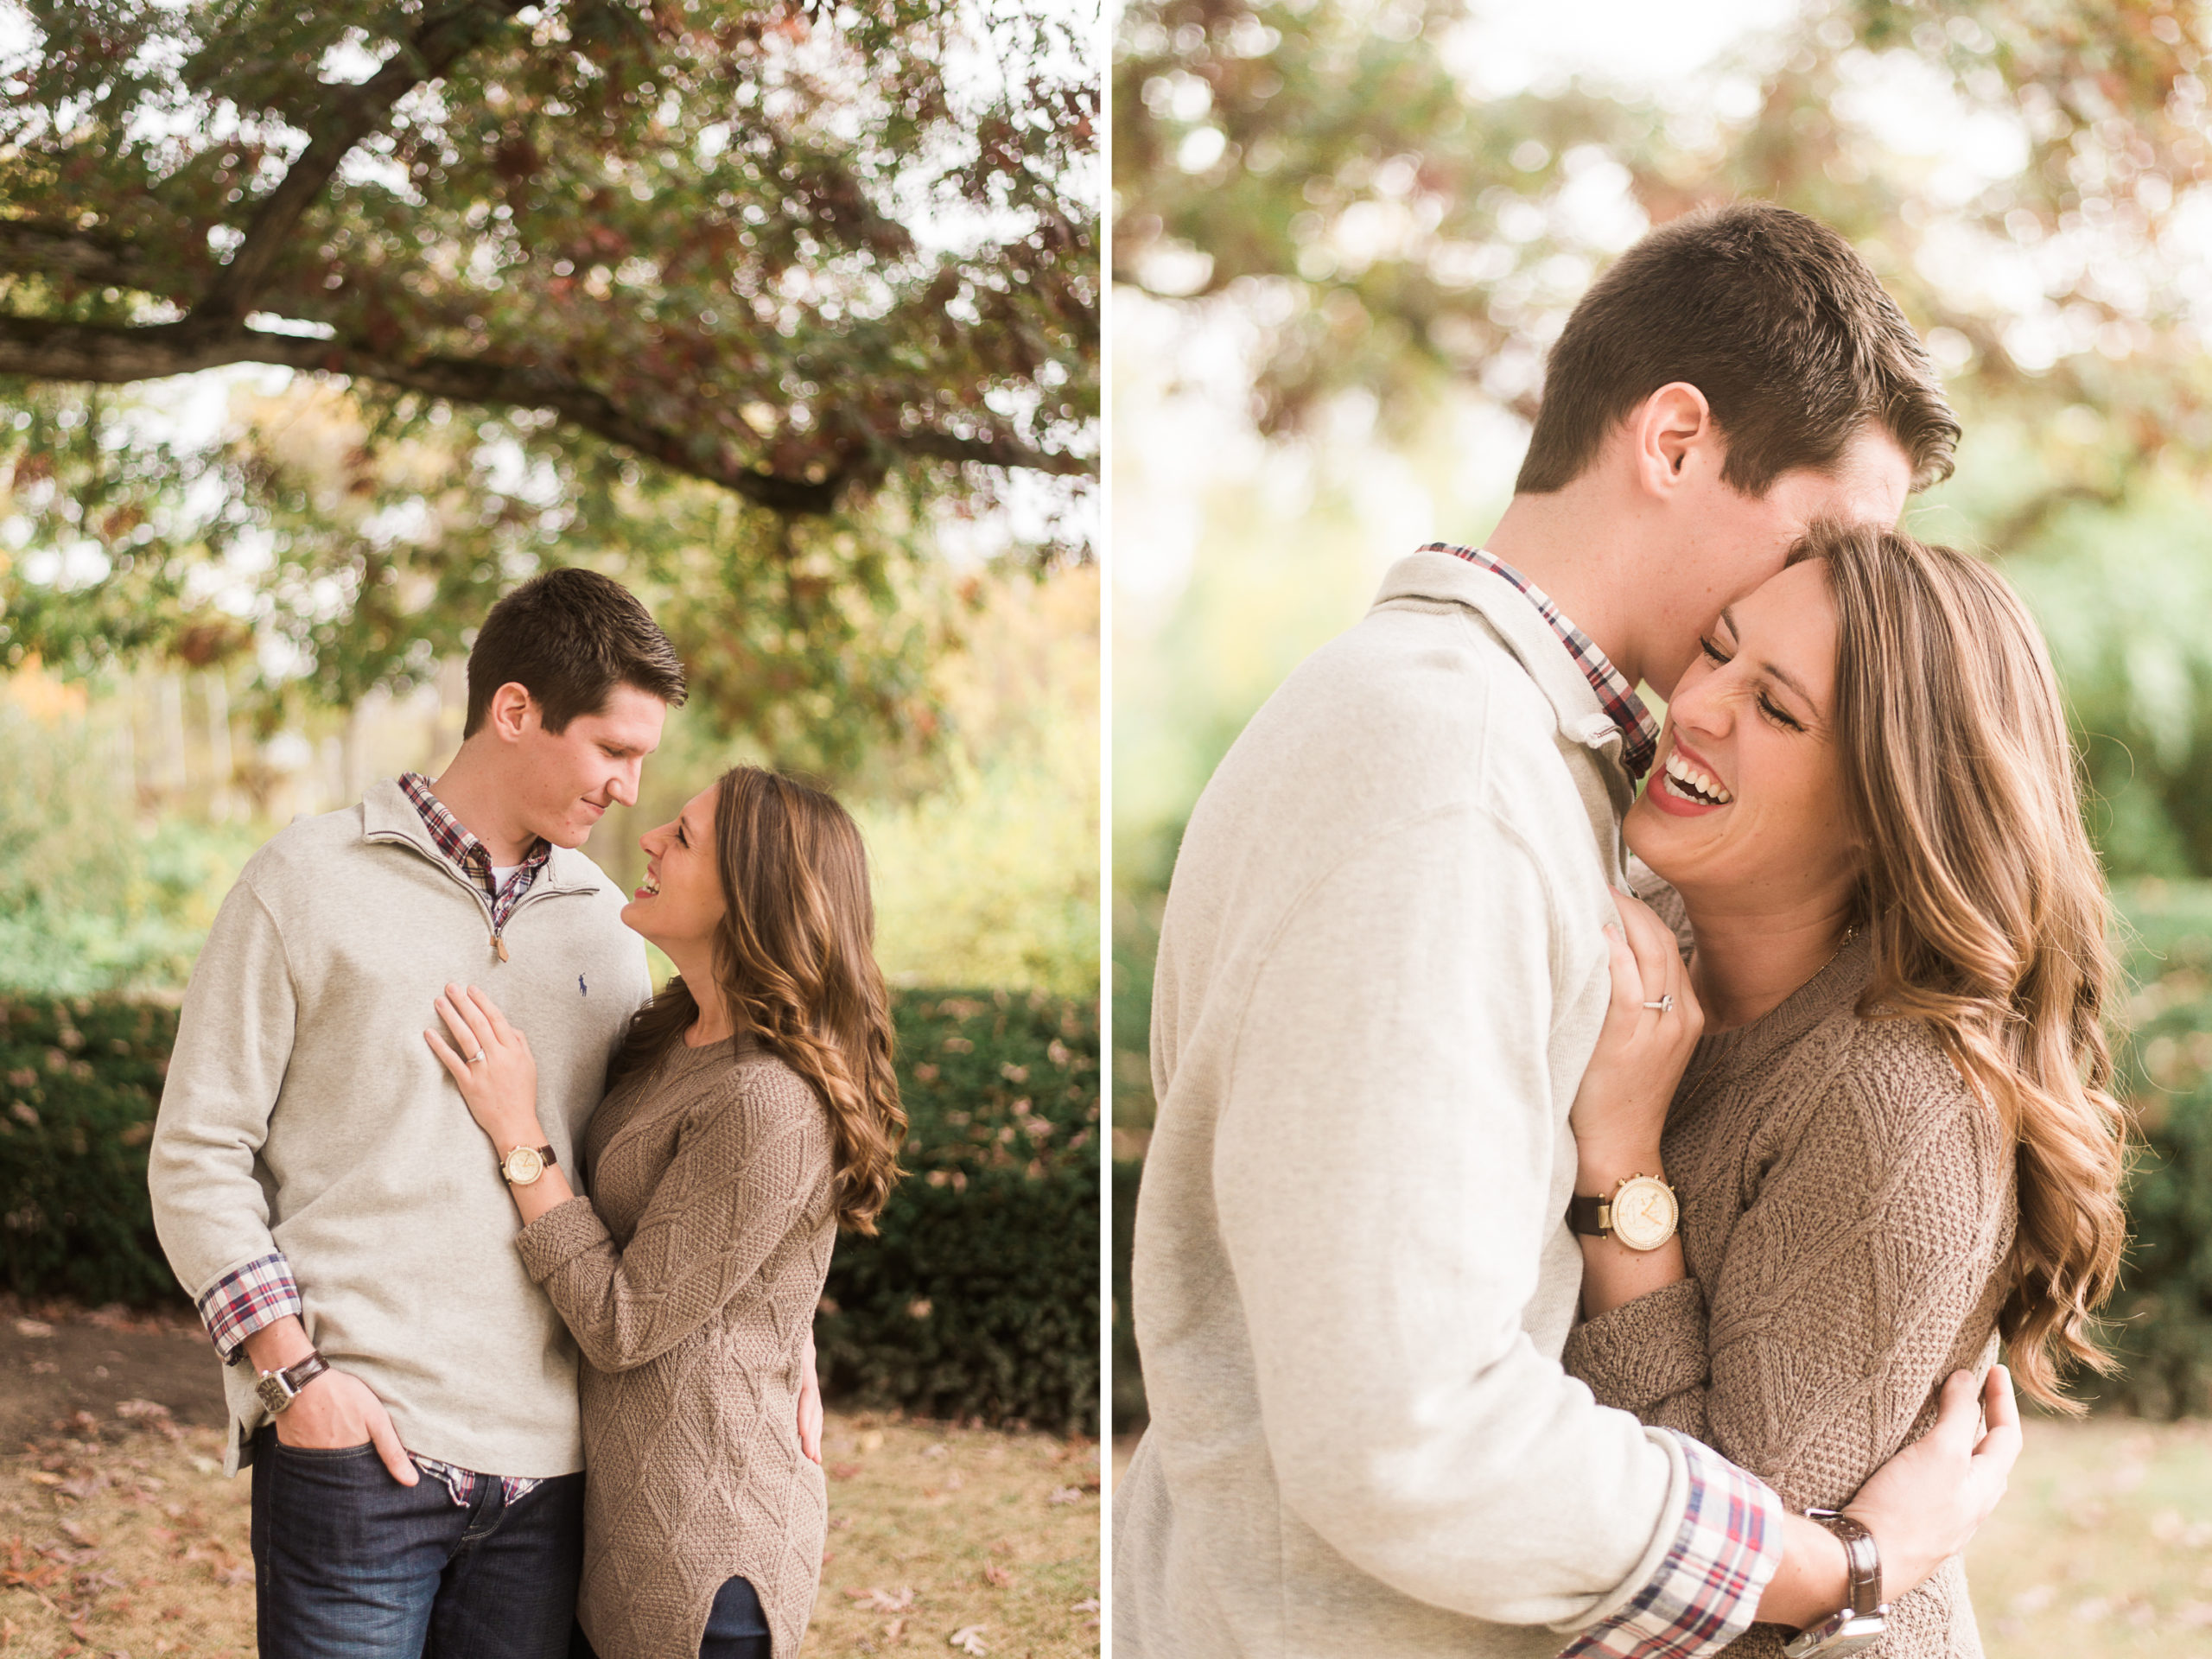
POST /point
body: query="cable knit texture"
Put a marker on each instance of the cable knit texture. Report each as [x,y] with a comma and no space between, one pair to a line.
[1846,1204]
[690,1277]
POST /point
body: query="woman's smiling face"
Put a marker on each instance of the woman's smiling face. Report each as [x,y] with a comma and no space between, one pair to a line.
[1746,800]
[681,903]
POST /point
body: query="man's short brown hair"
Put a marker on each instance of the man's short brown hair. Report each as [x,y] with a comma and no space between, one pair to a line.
[570,636]
[1770,314]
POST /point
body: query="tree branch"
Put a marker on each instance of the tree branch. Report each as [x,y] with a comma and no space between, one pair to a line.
[48,249]
[349,115]
[994,450]
[86,352]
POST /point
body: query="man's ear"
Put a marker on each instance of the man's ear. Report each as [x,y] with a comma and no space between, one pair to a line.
[1672,430]
[513,711]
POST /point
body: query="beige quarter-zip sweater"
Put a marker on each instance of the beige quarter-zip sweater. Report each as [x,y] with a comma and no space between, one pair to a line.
[1382,972]
[304,1113]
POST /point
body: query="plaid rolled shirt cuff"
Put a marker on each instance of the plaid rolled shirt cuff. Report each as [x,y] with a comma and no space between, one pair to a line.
[245,1299]
[461,1483]
[1706,1591]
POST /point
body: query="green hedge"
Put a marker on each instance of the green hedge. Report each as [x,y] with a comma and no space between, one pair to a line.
[978,1298]
[79,1078]
[2161,1321]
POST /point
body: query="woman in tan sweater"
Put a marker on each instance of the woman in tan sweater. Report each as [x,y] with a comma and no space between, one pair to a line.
[1892,1143]
[751,1110]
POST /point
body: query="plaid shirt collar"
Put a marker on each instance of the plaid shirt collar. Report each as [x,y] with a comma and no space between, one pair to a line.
[1639,731]
[468,855]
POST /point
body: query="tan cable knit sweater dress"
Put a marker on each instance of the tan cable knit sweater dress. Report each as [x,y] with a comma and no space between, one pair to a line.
[1845,1204]
[689,1278]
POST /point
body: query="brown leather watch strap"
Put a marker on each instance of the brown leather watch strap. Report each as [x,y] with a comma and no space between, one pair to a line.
[298,1377]
[1587,1216]
[1864,1565]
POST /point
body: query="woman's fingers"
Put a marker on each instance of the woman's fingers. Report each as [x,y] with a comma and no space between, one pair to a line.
[490,1010]
[462,1036]
[453,1062]
[1628,978]
[1658,963]
[467,1019]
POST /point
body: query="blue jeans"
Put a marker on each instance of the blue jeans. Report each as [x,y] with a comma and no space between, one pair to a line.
[737,1627]
[349,1564]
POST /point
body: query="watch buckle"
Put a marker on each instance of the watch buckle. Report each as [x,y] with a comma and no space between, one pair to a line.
[1840,1632]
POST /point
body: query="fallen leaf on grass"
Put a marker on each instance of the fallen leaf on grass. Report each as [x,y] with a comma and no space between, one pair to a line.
[1088,1605]
[1066,1495]
[883,1601]
[843,1471]
[996,1574]
[968,1638]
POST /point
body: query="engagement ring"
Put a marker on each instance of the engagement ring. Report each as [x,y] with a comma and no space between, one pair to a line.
[1665,1004]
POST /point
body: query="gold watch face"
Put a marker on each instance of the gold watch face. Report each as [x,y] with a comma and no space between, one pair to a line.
[523,1166]
[1643,1213]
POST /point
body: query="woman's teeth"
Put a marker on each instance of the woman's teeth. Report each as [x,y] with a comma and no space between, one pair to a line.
[652,883]
[1693,783]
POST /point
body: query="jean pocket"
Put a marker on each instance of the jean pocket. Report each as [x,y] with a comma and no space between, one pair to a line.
[325,1453]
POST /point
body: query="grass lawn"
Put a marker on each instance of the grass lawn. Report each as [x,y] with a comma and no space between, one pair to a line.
[118,1536]
[2103,1546]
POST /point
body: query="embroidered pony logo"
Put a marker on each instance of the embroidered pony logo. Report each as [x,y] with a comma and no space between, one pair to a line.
[582,989]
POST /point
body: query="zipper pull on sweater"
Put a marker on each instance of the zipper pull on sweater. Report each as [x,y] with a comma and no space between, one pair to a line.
[499,945]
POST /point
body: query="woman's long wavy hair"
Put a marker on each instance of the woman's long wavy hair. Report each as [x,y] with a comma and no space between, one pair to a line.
[795,957]
[1984,902]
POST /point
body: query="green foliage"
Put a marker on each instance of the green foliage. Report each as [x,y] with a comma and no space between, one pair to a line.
[979,1296]
[2161,1321]
[88,900]
[989,874]
[1336,173]
[81,1078]
[2121,594]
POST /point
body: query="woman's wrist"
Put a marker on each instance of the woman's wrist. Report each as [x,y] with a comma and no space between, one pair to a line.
[1601,1167]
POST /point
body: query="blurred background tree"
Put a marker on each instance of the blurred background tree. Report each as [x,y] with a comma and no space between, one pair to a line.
[747,299]
[320,329]
[1347,232]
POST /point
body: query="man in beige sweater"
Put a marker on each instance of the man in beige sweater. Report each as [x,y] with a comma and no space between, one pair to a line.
[1383,968]
[321,1191]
